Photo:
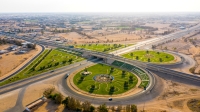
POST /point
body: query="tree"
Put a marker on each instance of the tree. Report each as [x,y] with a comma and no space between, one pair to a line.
[112,69]
[131,54]
[166,48]
[119,108]
[131,78]
[147,51]
[64,61]
[149,59]
[70,60]
[133,108]
[65,102]
[92,109]
[112,89]
[48,92]
[128,108]
[58,98]
[160,59]
[86,106]
[85,70]
[123,72]
[71,103]
[192,70]
[125,84]
[102,108]
[78,105]
[137,57]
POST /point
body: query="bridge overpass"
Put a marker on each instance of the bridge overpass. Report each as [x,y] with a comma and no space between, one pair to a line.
[108,58]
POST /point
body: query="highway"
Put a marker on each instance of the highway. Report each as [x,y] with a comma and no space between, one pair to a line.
[39,77]
[155,41]
[136,99]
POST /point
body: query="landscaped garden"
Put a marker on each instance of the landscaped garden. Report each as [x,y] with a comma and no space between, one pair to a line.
[48,60]
[101,47]
[150,56]
[104,80]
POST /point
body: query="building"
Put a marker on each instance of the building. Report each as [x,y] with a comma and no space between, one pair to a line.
[182,28]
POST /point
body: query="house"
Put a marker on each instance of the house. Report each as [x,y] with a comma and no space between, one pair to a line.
[182,28]
[25,44]
[35,104]
[3,51]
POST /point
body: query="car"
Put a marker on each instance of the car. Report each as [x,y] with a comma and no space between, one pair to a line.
[110,99]
[66,76]
[51,71]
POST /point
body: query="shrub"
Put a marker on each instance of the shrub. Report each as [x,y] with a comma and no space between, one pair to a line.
[149,59]
[192,70]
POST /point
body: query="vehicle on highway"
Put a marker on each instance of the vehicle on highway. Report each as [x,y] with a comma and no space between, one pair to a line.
[51,71]
[110,99]
[66,76]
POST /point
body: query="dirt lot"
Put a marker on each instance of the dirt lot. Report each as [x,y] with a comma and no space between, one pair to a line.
[157,25]
[173,99]
[8,100]
[113,38]
[11,61]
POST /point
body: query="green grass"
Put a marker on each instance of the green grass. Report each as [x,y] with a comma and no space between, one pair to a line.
[102,47]
[123,27]
[54,56]
[144,84]
[103,88]
[154,56]
[138,28]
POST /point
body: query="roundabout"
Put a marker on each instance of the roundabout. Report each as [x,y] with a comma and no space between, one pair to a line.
[152,56]
[102,91]
[104,80]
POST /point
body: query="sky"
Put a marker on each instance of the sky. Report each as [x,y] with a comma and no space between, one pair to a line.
[99,6]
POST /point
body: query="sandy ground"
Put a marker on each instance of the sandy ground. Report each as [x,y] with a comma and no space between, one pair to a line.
[173,99]
[12,62]
[50,106]
[8,100]
[157,25]
[35,92]
[113,38]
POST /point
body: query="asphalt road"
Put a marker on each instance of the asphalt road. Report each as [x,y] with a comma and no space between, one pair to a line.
[19,105]
[158,88]
[132,99]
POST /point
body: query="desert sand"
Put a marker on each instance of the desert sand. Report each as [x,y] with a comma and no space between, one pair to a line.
[12,62]
[8,100]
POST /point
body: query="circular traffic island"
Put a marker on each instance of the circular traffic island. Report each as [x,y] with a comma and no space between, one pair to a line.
[151,56]
[104,80]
